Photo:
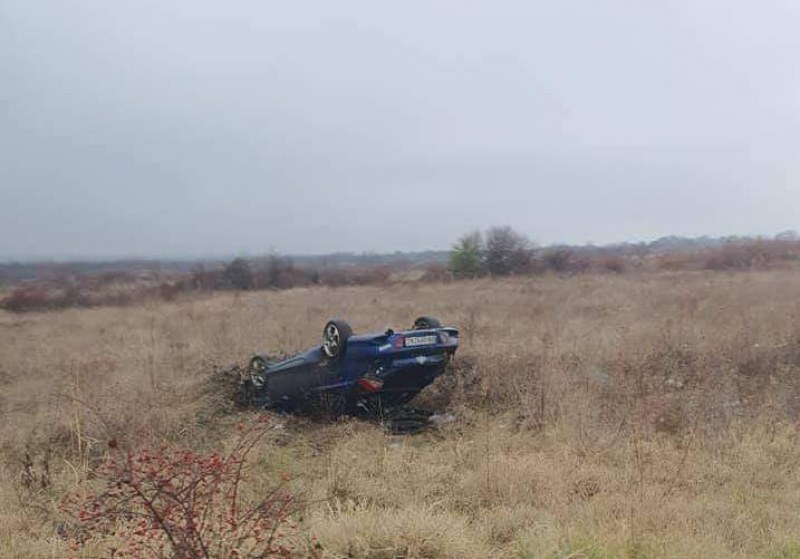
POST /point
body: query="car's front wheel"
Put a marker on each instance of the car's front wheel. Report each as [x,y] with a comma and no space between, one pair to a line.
[334,338]
[426,322]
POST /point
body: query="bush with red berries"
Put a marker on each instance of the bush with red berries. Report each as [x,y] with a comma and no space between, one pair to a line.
[177,503]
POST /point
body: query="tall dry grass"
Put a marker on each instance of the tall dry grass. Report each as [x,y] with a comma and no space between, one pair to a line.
[643,415]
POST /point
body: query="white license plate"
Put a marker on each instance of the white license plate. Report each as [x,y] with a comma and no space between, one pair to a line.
[415,341]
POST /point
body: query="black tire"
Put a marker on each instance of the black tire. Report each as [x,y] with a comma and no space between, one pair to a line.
[248,395]
[334,338]
[426,322]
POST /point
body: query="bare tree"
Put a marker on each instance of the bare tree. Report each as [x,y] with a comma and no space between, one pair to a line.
[507,251]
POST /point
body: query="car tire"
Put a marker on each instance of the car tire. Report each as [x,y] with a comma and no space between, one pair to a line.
[334,338]
[256,371]
[426,322]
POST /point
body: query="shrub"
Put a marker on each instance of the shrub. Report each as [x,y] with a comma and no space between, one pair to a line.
[558,260]
[435,272]
[466,260]
[279,272]
[372,275]
[676,261]
[237,274]
[611,263]
[174,502]
[205,280]
[169,290]
[332,277]
[736,254]
[751,254]
[27,298]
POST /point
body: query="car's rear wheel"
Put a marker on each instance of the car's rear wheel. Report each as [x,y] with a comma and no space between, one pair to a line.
[257,371]
[426,322]
[334,338]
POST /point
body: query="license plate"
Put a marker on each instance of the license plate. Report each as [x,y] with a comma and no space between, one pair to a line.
[416,341]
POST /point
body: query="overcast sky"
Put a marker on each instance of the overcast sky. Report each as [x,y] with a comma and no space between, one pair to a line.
[191,127]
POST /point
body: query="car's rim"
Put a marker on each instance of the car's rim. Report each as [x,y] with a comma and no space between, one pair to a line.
[332,340]
[257,369]
[423,325]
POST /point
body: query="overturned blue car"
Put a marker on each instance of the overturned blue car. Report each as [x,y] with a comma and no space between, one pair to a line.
[348,373]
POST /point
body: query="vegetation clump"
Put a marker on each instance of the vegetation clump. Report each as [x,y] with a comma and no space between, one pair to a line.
[175,502]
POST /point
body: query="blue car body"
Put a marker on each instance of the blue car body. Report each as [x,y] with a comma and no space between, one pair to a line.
[373,371]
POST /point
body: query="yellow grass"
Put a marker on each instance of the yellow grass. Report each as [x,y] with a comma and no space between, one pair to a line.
[597,416]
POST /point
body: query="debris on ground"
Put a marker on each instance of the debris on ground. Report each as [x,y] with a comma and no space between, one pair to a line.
[409,420]
[439,419]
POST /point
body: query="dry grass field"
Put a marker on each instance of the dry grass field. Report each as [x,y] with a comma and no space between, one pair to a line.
[597,416]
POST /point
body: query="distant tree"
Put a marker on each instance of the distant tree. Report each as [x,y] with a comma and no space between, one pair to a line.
[790,235]
[313,276]
[238,275]
[507,251]
[280,271]
[199,277]
[558,259]
[466,259]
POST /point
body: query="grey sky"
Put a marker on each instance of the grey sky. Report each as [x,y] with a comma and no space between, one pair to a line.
[190,127]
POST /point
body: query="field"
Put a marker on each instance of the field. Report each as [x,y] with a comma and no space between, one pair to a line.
[599,415]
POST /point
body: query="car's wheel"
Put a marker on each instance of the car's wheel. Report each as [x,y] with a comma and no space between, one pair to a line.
[426,322]
[334,338]
[257,371]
